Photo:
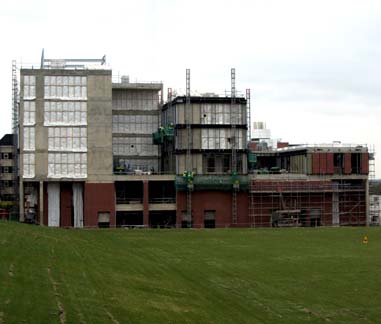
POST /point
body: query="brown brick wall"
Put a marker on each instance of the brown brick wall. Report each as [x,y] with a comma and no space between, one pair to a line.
[219,201]
[99,197]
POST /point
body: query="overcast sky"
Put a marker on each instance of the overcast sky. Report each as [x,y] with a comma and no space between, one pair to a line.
[312,66]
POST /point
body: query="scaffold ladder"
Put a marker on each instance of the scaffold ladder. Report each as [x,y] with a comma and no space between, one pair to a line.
[188,160]
[234,206]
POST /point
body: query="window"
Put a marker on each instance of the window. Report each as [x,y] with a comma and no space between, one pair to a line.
[65,165]
[221,139]
[29,138]
[65,113]
[66,87]
[135,100]
[103,219]
[28,165]
[356,163]
[338,163]
[221,114]
[135,146]
[136,165]
[29,87]
[209,218]
[135,124]
[29,112]
[5,170]
[5,156]
[67,139]
[226,162]
[211,164]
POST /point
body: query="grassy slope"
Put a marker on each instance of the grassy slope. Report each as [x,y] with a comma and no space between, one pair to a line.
[189,276]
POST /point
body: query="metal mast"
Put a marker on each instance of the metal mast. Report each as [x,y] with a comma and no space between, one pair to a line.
[248,115]
[233,121]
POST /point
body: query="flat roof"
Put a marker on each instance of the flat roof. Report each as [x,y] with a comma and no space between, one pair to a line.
[205,99]
[6,140]
[334,147]
[137,86]
[61,71]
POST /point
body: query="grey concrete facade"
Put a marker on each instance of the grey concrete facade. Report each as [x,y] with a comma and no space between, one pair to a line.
[136,115]
[216,126]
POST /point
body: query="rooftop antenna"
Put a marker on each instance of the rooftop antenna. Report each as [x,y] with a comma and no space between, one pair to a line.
[42,59]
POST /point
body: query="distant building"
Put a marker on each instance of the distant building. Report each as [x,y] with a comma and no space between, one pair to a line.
[375,209]
[8,176]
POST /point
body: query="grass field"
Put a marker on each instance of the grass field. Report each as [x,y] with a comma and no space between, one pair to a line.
[189,276]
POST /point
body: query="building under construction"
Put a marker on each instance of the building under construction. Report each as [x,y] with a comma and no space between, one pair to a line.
[100,152]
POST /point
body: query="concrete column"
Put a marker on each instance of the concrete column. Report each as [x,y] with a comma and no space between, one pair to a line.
[145,203]
[41,203]
[21,201]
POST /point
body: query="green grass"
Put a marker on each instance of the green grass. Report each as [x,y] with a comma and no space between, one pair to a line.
[189,276]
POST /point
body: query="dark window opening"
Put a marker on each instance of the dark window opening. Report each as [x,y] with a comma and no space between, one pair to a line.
[209,218]
[129,219]
[356,163]
[338,163]
[161,192]
[226,163]
[211,165]
[129,192]
[162,219]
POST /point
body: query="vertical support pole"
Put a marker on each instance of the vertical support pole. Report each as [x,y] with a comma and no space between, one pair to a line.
[168,148]
[367,202]
[41,203]
[145,204]
[188,114]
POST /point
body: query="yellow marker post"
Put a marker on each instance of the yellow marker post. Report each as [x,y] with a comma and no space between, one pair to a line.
[365,239]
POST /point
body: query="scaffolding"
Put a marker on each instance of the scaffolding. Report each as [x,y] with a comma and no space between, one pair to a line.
[233,122]
[15,131]
[372,163]
[188,161]
[282,203]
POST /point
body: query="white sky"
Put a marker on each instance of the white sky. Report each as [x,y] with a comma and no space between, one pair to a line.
[312,66]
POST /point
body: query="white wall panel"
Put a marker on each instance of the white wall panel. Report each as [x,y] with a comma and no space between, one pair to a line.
[53,204]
